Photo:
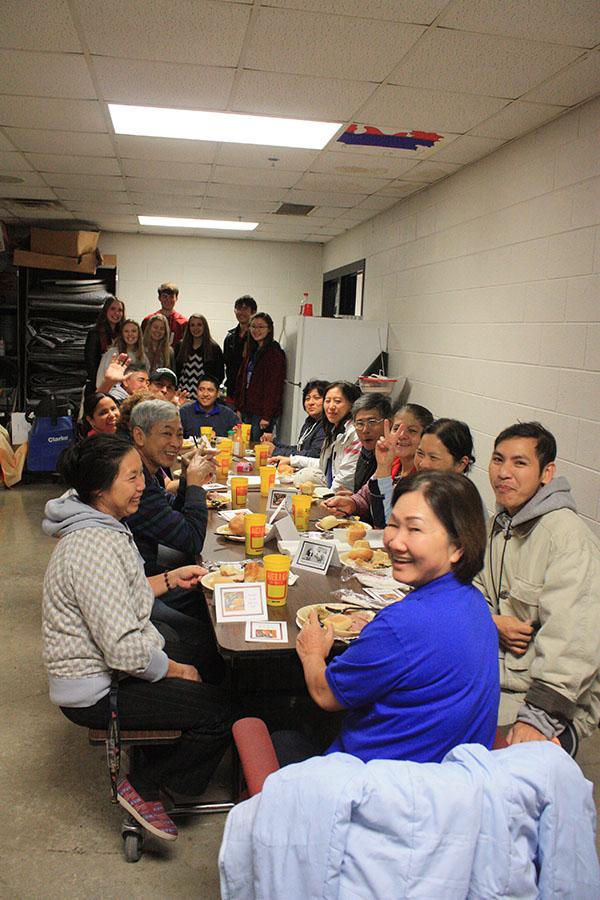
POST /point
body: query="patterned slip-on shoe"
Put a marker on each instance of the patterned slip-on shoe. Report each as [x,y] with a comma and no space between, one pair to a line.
[150,814]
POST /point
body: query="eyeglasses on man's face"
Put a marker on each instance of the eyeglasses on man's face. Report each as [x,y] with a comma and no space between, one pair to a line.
[361,424]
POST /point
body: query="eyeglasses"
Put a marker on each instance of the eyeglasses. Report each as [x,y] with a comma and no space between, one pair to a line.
[366,423]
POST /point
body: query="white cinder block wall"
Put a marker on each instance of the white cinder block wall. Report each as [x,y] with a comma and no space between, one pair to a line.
[490,281]
[211,273]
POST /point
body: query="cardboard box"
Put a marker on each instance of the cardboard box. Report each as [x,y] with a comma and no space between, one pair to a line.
[63,243]
[87,264]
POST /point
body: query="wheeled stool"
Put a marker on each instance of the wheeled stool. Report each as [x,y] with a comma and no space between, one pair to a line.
[134,833]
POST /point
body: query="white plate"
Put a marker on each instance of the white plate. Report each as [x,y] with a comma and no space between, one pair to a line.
[223,530]
[303,613]
[383,582]
[353,522]
[353,564]
[208,581]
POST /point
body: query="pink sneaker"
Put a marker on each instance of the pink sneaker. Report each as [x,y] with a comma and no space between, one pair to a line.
[150,814]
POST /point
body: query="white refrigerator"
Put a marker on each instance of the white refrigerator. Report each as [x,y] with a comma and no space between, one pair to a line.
[330,349]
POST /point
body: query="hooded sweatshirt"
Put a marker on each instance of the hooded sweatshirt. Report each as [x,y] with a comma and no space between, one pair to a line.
[96,607]
[543,565]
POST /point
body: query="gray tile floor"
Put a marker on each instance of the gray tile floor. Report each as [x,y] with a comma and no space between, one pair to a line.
[64,839]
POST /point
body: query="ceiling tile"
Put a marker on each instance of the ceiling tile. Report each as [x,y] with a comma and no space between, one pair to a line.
[31,25]
[155,202]
[422,12]
[467,148]
[377,202]
[14,162]
[85,196]
[146,83]
[298,96]
[150,168]
[401,189]
[245,190]
[576,23]
[39,216]
[80,165]
[45,74]
[336,46]
[98,209]
[86,182]
[411,108]
[576,83]
[61,142]
[248,207]
[323,198]
[194,31]
[267,177]
[350,161]
[29,191]
[357,184]
[160,186]
[430,170]
[134,147]
[51,113]
[479,63]
[253,156]
[327,212]
[516,119]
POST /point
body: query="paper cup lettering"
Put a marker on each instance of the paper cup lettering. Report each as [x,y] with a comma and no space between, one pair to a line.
[301,511]
[261,455]
[239,493]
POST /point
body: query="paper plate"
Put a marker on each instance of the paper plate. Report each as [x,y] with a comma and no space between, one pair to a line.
[223,531]
[341,635]
[344,523]
[360,565]
[208,581]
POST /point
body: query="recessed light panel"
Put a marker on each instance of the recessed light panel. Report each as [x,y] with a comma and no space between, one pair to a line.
[231,128]
[215,224]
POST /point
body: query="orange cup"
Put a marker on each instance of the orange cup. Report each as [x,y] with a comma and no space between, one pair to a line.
[255,533]
[261,454]
[301,511]
[277,570]
[239,492]
[267,479]
[223,462]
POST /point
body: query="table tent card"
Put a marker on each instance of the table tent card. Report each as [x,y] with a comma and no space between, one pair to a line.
[267,632]
[241,602]
[277,495]
[315,555]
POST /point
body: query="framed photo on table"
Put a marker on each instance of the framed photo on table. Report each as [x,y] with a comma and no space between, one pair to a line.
[314,555]
[279,495]
[241,602]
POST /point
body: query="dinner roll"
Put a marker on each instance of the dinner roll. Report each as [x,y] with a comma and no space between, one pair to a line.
[356,533]
[361,553]
[237,525]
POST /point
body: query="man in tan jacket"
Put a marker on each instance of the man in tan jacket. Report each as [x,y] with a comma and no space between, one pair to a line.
[541,578]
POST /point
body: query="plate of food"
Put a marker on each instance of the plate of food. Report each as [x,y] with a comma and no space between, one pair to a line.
[363,558]
[226,532]
[347,619]
[217,501]
[232,573]
[330,523]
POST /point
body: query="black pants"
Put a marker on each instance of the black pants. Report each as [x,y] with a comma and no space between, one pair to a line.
[198,644]
[201,711]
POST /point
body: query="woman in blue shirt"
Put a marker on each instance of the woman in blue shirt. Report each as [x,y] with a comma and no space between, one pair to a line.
[423,675]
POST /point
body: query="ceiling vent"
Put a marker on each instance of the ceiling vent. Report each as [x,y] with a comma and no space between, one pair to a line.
[293,209]
[33,204]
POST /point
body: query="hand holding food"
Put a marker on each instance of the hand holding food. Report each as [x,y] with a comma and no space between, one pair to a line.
[314,640]
[342,503]
[200,470]
[185,576]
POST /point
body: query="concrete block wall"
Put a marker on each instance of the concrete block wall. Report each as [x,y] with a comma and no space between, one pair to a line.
[212,272]
[490,281]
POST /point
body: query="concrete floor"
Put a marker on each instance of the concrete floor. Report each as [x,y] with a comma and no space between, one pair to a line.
[64,838]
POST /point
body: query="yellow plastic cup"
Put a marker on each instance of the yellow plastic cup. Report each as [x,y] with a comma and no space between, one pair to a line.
[208,431]
[223,461]
[246,429]
[255,533]
[277,570]
[239,492]
[301,511]
[267,479]
[261,454]
[226,445]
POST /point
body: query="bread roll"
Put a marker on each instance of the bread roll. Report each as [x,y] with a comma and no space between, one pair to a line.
[284,469]
[230,569]
[361,553]
[237,525]
[254,571]
[307,487]
[362,544]
[338,622]
[328,522]
[356,533]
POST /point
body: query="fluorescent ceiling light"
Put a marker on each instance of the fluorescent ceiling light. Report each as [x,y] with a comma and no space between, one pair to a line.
[193,125]
[220,224]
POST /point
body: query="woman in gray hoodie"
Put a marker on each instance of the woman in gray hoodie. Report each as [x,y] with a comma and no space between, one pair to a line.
[96,625]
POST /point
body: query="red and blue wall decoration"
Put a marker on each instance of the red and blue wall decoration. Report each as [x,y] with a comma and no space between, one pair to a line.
[368,135]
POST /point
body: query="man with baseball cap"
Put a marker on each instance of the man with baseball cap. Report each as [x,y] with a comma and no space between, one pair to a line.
[168,294]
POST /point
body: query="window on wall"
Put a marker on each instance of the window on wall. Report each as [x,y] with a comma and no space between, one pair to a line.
[343,291]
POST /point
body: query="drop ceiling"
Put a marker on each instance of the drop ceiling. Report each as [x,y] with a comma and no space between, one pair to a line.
[478,73]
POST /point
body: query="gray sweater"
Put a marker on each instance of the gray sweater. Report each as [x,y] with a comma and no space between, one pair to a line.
[96,607]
